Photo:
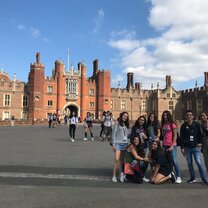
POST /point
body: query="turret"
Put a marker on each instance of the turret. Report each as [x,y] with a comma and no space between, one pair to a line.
[59,71]
[36,89]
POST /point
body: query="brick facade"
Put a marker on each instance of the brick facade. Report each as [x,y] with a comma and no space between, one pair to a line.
[71,90]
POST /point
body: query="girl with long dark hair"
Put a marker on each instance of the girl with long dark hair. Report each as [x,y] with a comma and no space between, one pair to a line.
[120,134]
[162,162]
[169,135]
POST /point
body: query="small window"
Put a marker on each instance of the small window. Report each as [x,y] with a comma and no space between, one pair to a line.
[123,105]
[7,100]
[111,104]
[5,115]
[50,89]
[92,92]
[173,95]
[92,104]
[171,105]
[25,101]
[50,102]
[24,115]
[153,105]
[168,95]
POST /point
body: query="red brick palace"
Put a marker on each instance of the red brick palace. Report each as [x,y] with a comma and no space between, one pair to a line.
[71,90]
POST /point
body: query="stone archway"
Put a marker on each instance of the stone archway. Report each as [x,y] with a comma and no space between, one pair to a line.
[71,107]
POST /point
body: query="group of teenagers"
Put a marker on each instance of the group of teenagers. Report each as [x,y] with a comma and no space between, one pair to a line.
[154,144]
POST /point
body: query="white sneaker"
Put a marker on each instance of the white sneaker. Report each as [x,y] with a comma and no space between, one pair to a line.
[122,177]
[178,180]
[114,179]
[85,139]
[146,180]
[72,140]
[92,139]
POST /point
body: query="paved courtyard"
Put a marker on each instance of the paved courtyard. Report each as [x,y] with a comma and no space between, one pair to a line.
[40,167]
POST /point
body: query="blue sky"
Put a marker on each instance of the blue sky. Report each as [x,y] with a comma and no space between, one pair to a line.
[151,38]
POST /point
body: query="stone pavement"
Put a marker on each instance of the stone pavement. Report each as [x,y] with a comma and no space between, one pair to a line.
[40,167]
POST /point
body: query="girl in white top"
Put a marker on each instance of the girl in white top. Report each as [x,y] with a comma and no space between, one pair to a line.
[73,121]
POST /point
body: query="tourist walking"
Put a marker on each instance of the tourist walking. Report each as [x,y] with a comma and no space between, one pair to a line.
[120,133]
[169,136]
[88,126]
[204,127]
[191,144]
[73,121]
[12,120]
[102,123]
[108,124]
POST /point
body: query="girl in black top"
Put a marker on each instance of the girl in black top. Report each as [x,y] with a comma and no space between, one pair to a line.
[163,164]
[88,126]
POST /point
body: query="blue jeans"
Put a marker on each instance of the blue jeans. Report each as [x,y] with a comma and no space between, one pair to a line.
[174,155]
[197,157]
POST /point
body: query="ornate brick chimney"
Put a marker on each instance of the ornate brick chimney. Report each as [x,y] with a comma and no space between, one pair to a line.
[130,77]
[168,81]
[205,78]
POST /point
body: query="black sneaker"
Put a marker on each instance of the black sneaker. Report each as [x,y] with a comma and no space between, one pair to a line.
[172,177]
[205,182]
[191,180]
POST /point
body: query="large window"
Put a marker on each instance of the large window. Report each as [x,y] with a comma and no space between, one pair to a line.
[25,101]
[123,105]
[71,86]
[189,105]
[144,105]
[7,100]
[199,105]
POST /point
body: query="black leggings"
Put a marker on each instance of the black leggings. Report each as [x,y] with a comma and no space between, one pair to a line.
[72,128]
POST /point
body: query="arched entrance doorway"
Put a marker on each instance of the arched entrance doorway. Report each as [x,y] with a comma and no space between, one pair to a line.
[71,108]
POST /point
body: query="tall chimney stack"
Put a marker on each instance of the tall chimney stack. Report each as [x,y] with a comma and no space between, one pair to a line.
[168,81]
[130,77]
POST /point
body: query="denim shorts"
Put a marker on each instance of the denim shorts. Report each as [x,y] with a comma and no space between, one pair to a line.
[121,146]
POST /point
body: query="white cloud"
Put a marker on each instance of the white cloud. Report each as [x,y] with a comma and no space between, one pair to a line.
[21,27]
[35,32]
[180,50]
[98,21]
[116,80]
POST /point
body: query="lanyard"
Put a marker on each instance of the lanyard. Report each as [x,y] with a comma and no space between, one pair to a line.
[124,129]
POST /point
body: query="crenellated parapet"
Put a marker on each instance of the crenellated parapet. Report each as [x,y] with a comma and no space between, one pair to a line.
[191,90]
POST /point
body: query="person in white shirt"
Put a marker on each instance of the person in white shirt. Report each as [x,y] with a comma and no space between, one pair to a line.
[108,124]
[73,121]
